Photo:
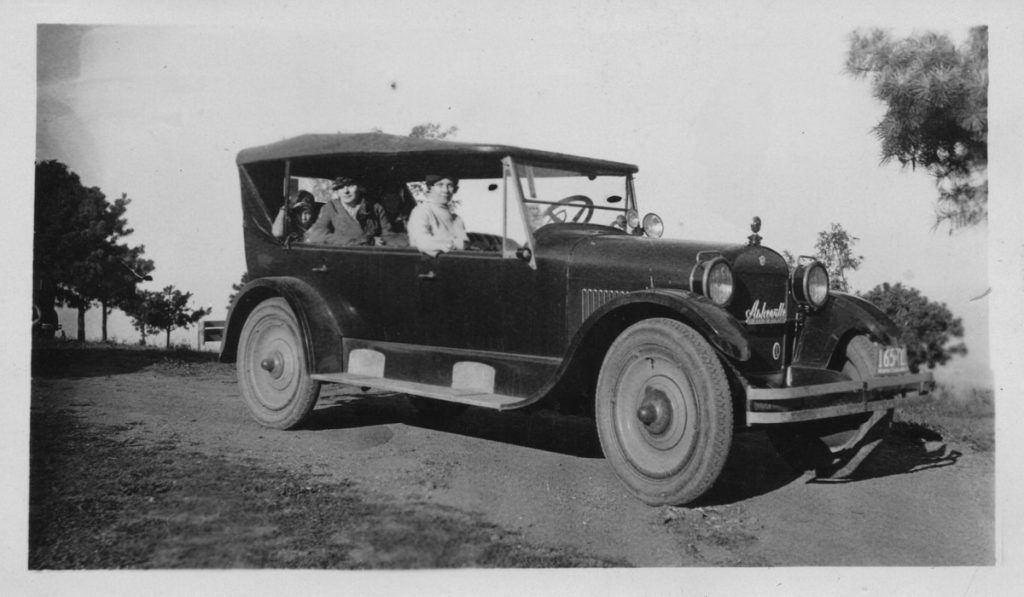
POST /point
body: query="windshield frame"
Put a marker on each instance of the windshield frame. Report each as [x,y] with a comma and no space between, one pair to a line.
[270,184]
[514,181]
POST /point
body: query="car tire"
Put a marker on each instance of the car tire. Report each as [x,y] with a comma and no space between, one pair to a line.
[663,411]
[274,373]
[835,453]
[860,364]
[433,409]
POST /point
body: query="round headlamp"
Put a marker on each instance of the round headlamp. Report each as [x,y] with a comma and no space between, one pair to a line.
[653,226]
[810,284]
[713,279]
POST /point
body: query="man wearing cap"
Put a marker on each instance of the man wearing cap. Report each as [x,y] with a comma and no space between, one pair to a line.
[347,219]
[433,228]
[299,215]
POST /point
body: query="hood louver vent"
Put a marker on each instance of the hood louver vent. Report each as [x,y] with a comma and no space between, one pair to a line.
[594,298]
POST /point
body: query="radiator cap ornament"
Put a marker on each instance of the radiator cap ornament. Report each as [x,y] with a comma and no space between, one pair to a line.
[755,227]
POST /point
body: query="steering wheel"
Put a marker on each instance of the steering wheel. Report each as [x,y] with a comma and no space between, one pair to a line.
[559,212]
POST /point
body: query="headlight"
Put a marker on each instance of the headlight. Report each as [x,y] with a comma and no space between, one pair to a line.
[810,284]
[713,279]
[653,226]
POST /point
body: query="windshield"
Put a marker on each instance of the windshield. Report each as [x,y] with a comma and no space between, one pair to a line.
[556,196]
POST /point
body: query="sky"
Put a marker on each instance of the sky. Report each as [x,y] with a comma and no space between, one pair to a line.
[727,118]
[730,109]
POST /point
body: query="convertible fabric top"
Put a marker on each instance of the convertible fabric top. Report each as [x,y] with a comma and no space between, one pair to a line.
[377,146]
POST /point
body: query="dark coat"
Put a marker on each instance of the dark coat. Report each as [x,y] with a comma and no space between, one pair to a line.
[335,226]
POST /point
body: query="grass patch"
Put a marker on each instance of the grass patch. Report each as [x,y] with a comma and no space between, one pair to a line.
[964,416]
[98,359]
[100,499]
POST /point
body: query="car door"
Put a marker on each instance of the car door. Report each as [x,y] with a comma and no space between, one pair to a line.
[533,307]
[348,278]
[452,300]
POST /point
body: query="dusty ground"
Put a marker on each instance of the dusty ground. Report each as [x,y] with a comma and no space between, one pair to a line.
[542,475]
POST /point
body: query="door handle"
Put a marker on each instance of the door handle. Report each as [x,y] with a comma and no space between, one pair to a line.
[320,269]
[427,276]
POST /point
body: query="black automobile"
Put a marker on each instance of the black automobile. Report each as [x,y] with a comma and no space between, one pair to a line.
[564,292]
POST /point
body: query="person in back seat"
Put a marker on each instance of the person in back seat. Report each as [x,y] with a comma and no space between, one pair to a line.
[397,202]
[348,219]
[294,218]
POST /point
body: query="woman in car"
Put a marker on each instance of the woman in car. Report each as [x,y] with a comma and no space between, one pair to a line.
[433,228]
[302,216]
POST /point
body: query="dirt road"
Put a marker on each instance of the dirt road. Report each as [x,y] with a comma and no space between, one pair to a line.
[542,475]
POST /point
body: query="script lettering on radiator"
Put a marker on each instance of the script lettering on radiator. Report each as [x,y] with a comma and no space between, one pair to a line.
[761,314]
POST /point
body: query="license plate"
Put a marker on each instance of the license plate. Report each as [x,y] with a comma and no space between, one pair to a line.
[892,359]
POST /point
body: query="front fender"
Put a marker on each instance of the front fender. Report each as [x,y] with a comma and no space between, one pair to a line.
[320,328]
[845,315]
[712,322]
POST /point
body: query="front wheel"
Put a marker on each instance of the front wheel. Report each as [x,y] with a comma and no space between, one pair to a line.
[835,448]
[664,412]
[273,367]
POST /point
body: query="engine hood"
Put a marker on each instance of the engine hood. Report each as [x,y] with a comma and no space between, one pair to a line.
[617,262]
[627,262]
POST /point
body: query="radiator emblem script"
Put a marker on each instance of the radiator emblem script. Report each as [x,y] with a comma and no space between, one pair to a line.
[762,314]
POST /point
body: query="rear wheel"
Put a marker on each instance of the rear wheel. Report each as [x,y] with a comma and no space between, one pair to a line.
[664,412]
[273,368]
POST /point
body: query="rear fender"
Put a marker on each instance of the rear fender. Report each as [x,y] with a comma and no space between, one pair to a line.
[320,327]
[825,332]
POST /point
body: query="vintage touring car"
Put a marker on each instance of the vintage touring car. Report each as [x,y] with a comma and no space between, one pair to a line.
[562,291]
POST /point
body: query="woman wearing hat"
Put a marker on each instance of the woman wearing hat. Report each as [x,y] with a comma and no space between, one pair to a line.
[348,219]
[433,228]
[299,216]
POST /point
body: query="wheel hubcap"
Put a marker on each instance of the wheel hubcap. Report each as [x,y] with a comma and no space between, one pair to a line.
[655,411]
[273,365]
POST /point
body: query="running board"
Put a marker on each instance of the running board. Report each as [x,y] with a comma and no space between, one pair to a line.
[469,396]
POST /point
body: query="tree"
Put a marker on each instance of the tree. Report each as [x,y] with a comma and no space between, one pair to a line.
[432,130]
[937,112]
[109,276]
[124,269]
[75,227]
[164,311]
[834,249]
[238,286]
[927,327]
[138,308]
[65,211]
[78,258]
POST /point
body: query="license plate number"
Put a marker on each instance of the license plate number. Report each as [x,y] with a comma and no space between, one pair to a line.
[892,359]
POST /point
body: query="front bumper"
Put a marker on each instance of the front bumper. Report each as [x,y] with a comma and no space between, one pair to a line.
[769,406]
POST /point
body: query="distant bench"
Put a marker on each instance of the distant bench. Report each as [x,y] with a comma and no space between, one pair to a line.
[211,331]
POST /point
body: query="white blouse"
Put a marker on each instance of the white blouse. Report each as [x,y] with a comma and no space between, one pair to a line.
[434,229]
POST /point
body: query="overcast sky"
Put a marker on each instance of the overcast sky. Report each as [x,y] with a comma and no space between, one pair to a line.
[728,114]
